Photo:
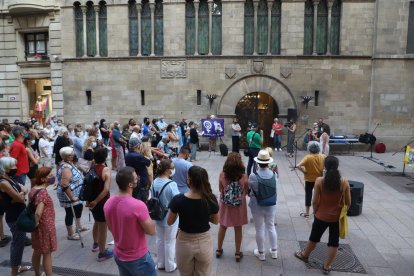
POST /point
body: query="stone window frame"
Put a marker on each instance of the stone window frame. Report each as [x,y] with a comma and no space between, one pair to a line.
[36,55]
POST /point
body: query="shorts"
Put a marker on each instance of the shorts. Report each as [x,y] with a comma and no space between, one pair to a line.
[1,208]
[98,213]
[319,227]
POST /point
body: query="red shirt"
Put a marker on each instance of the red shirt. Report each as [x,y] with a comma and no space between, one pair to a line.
[277,126]
[18,152]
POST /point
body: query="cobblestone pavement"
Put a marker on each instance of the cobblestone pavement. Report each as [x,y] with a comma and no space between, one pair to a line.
[382,237]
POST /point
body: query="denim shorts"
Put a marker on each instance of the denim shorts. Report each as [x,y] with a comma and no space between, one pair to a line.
[144,266]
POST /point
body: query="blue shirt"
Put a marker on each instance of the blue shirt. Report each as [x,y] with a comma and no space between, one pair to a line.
[181,170]
[169,192]
[140,163]
[77,146]
[162,125]
[145,130]
[116,134]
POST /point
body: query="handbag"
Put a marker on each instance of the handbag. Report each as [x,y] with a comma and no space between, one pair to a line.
[343,219]
[26,222]
[246,152]
[272,133]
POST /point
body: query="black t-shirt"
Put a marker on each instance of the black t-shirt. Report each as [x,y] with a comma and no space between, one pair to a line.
[140,163]
[193,136]
[105,134]
[194,214]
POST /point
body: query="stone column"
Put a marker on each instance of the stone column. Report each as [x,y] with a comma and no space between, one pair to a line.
[96,7]
[269,25]
[315,23]
[255,5]
[152,7]
[328,39]
[196,5]
[210,25]
[138,6]
[85,46]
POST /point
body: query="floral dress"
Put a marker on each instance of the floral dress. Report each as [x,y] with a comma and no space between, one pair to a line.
[44,237]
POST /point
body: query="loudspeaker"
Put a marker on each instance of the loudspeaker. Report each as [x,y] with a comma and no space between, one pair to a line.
[292,114]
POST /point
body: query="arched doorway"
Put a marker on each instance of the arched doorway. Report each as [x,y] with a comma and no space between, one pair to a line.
[260,108]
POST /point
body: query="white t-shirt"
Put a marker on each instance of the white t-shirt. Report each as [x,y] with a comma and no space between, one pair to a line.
[45,146]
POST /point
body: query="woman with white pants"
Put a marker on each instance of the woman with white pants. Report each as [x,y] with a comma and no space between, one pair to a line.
[263,204]
[166,235]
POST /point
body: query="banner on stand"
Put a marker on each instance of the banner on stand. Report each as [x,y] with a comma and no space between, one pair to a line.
[213,127]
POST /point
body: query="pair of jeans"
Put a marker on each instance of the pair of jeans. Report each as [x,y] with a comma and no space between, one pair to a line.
[264,219]
[193,151]
[235,143]
[166,238]
[277,141]
[194,253]
[253,152]
[17,244]
[144,266]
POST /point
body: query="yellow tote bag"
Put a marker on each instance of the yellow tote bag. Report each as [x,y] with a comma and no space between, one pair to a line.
[343,219]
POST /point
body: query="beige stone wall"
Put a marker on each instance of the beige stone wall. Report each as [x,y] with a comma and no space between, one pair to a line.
[292,31]
[392,26]
[174,24]
[233,28]
[357,28]
[343,85]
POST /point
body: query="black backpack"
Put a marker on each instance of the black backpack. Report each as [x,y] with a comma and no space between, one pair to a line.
[89,185]
[156,210]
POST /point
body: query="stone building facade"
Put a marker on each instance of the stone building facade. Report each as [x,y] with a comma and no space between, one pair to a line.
[368,83]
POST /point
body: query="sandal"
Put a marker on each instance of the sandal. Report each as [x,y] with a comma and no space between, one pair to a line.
[74,237]
[219,252]
[238,256]
[83,229]
[23,268]
[326,271]
[304,215]
[299,255]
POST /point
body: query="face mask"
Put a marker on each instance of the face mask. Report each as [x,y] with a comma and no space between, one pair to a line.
[94,145]
[12,172]
[172,172]
[59,124]
[78,134]
[33,142]
[51,180]
[97,125]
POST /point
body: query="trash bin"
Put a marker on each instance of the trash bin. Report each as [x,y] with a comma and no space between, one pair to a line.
[357,198]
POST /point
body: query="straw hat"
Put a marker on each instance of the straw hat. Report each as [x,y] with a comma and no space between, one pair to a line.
[263,157]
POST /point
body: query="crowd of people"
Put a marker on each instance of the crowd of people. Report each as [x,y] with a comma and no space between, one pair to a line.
[152,159]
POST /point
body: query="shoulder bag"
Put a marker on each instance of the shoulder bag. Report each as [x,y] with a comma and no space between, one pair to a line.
[26,222]
[343,219]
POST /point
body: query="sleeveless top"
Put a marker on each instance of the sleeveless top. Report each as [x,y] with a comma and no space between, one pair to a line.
[11,209]
[99,170]
[75,185]
[330,204]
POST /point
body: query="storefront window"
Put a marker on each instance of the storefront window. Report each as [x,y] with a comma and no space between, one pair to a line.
[36,46]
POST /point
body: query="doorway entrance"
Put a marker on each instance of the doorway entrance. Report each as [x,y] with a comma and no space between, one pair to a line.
[39,93]
[260,108]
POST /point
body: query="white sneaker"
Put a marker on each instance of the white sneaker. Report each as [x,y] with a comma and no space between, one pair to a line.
[273,253]
[260,256]
[275,149]
[280,149]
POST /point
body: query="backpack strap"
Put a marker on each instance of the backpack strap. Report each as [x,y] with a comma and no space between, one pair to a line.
[162,189]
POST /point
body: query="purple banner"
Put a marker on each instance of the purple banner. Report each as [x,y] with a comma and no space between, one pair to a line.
[213,127]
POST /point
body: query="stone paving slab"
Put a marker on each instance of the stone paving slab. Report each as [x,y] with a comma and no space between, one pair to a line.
[382,237]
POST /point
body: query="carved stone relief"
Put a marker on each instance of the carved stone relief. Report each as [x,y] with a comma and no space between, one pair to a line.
[173,68]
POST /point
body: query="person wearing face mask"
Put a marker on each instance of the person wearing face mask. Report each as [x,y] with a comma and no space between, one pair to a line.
[98,131]
[165,235]
[44,237]
[34,158]
[13,197]
[18,152]
[162,125]
[45,148]
[78,142]
[181,169]
[136,133]
[140,164]
[89,148]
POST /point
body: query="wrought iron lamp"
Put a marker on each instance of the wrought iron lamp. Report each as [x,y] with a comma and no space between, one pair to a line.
[306,100]
[211,98]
